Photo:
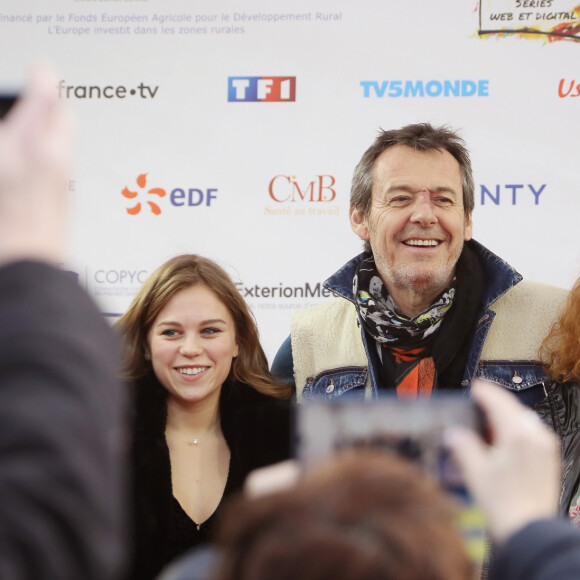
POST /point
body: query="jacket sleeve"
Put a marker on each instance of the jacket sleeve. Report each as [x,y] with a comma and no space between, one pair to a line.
[283,365]
[61,437]
[543,550]
[567,420]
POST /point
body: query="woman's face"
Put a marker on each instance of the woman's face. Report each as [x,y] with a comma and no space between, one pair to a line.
[192,343]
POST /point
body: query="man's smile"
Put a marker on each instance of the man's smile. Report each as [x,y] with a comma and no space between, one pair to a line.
[423,243]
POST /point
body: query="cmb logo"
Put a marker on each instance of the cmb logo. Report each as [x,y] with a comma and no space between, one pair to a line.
[178,196]
[261,89]
[286,188]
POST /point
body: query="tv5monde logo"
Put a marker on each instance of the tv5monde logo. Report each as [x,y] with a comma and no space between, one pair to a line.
[142,198]
[261,89]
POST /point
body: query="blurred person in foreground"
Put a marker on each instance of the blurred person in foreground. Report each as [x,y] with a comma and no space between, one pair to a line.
[61,406]
[561,351]
[516,480]
[371,516]
[363,514]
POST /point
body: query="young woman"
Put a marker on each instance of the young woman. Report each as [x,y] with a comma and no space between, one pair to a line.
[207,409]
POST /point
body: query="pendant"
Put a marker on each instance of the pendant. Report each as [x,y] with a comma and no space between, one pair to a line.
[195,441]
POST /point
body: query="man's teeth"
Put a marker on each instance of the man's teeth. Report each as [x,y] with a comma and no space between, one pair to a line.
[190,371]
[422,242]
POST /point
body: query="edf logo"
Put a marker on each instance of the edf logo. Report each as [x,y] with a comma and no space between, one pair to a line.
[261,89]
[178,196]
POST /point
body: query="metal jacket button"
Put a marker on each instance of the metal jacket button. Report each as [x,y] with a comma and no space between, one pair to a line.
[330,387]
[516,379]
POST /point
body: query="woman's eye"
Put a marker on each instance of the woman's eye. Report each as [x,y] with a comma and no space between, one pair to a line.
[170,332]
[210,331]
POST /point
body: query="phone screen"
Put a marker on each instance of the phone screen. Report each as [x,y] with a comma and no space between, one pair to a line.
[413,428]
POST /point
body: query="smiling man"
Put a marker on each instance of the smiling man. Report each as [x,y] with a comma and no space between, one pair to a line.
[425,307]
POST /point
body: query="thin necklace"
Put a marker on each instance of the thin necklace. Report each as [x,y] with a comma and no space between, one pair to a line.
[195,440]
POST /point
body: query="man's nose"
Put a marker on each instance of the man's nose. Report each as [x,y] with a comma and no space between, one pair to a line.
[423,209]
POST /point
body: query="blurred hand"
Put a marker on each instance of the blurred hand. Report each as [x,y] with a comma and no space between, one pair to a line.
[272,479]
[516,478]
[35,159]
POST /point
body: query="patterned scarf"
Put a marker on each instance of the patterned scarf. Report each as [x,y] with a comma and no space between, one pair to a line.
[405,341]
[381,316]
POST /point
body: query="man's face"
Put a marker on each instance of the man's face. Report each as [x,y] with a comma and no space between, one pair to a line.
[416,224]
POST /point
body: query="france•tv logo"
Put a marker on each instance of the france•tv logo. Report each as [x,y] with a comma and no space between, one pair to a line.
[261,89]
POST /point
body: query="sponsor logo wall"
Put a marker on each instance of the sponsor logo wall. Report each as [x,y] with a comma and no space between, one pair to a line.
[232,130]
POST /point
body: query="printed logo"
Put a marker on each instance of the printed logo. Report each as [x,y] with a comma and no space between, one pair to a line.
[177,197]
[292,194]
[431,88]
[514,193]
[115,282]
[261,89]
[284,291]
[283,296]
[113,276]
[550,20]
[142,183]
[285,188]
[568,89]
[141,91]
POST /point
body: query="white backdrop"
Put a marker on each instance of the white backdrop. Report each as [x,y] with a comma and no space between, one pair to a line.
[262,185]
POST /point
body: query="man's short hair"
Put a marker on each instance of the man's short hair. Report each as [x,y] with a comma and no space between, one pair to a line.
[420,137]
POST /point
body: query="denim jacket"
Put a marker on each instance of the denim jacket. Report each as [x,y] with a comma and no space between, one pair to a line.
[505,353]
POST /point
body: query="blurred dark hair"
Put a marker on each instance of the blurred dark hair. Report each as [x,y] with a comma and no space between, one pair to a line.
[362,516]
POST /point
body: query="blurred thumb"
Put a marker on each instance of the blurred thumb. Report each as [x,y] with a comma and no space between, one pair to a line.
[468,450]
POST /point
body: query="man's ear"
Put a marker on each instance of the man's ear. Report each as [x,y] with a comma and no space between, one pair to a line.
[468,232]
[358,223]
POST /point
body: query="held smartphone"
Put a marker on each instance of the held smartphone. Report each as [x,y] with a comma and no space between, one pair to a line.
[413,428]
[6,102]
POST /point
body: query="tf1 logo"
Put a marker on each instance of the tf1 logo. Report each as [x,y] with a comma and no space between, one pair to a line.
[261,89]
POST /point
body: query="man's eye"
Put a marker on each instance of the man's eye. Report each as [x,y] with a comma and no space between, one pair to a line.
[400,199]
[444,200]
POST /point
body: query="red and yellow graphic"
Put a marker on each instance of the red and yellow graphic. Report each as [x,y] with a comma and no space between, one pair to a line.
[142,184]
[551,20]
